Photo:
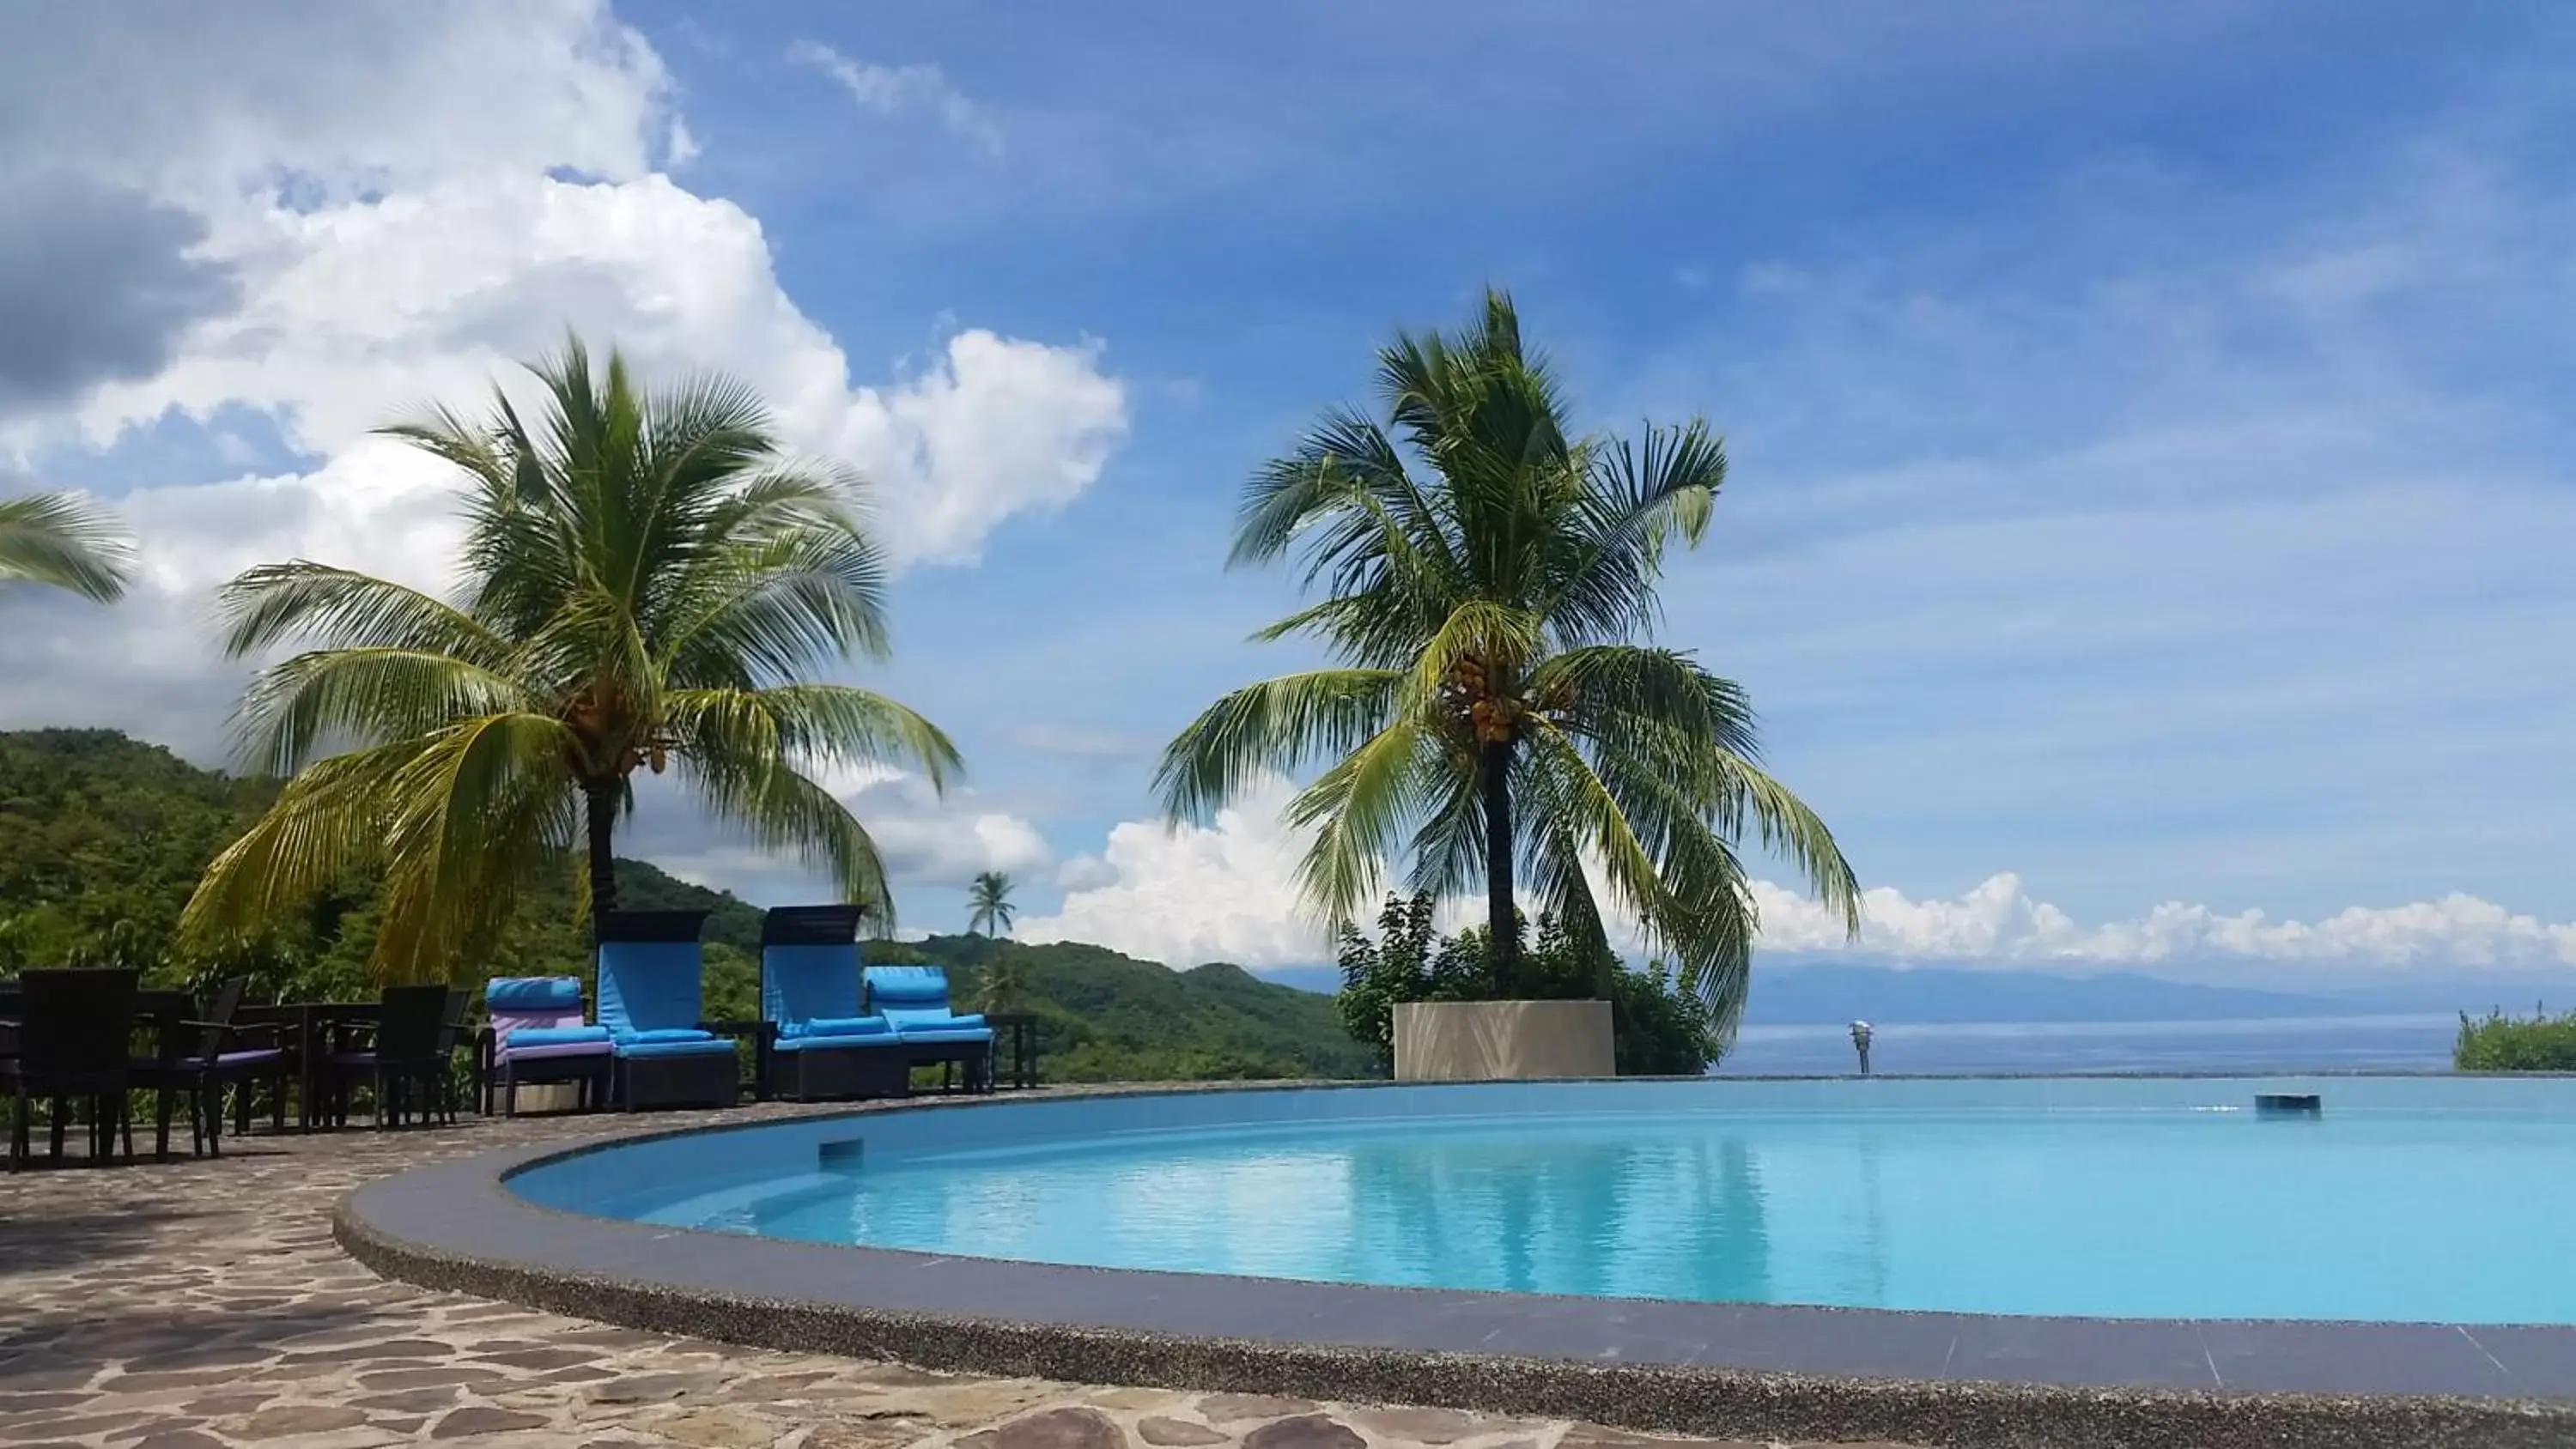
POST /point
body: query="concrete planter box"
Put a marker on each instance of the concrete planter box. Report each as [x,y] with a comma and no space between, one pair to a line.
[1502,1041]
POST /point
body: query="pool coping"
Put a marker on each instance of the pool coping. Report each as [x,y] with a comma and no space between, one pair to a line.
[1743,1370]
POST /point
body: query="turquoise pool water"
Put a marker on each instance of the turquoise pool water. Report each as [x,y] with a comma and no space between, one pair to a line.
[2440,1200]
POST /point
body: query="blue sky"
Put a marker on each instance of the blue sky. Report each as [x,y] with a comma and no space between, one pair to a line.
[2149,425]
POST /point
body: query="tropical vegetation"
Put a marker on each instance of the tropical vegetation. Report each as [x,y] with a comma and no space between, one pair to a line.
[1495,707]
[2501,1043]
[647,582]
[988,903]
[1658,1025]
[59,540]
[102,838]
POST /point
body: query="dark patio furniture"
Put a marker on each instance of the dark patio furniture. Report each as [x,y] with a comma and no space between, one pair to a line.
[407,1055]
[538,1036]
[651,1001]
[200,1059]
[1021,1028]
[816,1046]
[70,1040]
[914,1000]
[310,1030]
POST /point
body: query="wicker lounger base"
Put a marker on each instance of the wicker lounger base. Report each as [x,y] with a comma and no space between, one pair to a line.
[590,1073]
[975,1056]
[833,1076]
[713,1079]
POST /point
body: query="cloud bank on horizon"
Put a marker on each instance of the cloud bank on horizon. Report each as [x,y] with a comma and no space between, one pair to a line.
[2151,477]
[1226,892]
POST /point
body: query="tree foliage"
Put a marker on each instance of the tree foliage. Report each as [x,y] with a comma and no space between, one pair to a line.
[1494,709]
[2501,1043]
[646,582]
[1658,1024]
[60,540]
[102,838]
[988,903]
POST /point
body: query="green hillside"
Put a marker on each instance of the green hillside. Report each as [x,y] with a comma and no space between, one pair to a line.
[102,837]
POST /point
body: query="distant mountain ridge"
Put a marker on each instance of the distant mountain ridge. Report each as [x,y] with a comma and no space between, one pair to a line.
[1802,995]
[1805,995]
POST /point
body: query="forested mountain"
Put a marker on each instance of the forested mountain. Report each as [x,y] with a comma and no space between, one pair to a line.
[102,837]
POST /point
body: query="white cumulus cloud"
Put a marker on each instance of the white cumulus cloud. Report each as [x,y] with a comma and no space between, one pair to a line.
[404,202]
[1192,894]
[1228,892]
[896,90]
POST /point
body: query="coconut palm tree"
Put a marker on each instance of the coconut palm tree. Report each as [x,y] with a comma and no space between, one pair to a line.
[989,900]
[646,583]
[1495,707]
[58,539]
[1003,986]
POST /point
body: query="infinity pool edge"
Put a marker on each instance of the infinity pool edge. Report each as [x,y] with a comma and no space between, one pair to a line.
[1742,1370]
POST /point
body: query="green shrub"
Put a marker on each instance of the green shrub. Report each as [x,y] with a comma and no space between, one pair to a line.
[2503,1043]
[1659,1026]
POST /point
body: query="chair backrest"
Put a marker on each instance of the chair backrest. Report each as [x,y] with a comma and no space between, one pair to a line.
[76,1028]
[409,1023]
[908,993]
[219,1017]
[451,1022]
[650,967]
[809,963]
[516,1002]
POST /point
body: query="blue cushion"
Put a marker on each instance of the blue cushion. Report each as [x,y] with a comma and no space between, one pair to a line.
[664,1034]
[836,1026]
[942,1033]
[916,1020]
[908,988]
[800,983]
[530,1036]
[704,1047]
[533,994]
[648,985]
[873,1041]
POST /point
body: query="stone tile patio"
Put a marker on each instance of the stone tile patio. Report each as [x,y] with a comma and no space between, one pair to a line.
[201,1304]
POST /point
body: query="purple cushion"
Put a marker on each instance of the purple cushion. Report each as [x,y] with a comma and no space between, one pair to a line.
[250,1058]
[558,1049]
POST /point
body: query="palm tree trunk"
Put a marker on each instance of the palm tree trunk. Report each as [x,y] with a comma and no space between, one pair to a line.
[1502,921]
[600,808]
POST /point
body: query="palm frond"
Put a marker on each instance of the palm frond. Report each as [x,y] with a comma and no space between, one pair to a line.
[342,608]
[467,818]
[1273,727]
[783,810]
[363,696]
[1358,809]
[64,541]
[807,726]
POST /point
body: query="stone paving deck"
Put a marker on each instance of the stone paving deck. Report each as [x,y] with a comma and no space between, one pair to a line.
[202,1304]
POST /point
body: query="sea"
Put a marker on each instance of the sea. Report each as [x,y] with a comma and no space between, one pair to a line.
[2282,1044]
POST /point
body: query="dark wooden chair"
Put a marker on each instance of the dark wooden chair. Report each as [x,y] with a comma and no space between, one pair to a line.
[401,1055]
[201,1059]
[70,1041]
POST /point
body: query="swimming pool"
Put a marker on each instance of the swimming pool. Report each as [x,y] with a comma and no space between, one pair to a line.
[2432,1199]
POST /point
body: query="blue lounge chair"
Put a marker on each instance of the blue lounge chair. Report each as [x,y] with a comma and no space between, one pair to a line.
[650,1000]
[820,1047]
[538,1036]
[914,1001]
